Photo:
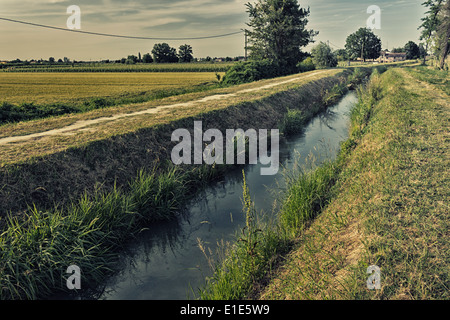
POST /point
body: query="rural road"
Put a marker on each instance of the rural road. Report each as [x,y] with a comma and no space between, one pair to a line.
[80,125]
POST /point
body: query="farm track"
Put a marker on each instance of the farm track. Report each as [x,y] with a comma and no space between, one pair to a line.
[82,125]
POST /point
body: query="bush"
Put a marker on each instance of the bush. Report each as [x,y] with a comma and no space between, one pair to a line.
[249,71]
[306,65]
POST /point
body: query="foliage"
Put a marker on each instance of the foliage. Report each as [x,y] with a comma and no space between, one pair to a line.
[163,53]
[278,31]
[185,53]
[363,44]
[398,50]
[342,55]
[323,56]
[412,50]
[306,65]
[132,59]
[147,58]
[249,71]
[436,28]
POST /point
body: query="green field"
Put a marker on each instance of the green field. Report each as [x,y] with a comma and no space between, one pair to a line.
[114,67]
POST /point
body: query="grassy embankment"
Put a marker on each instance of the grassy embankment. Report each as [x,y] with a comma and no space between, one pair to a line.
[383,201]
[38,245]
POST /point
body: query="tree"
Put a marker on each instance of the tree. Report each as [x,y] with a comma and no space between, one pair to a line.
[443,33]
[163,53]
[51,60]
[412,50]
[323,56]
[185,53]
[147,58]
[132,59]
[398,50]
[423,51]
[278,32]
[363,44]
[342,55]
[436,28]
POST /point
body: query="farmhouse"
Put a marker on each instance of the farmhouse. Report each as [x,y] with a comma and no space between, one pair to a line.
[386,56]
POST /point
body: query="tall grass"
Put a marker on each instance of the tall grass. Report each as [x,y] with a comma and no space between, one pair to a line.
[35,252]
[241,264]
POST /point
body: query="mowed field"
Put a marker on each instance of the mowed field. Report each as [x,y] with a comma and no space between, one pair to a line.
[70,88]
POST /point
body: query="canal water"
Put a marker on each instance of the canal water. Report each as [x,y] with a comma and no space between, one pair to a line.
[165,262]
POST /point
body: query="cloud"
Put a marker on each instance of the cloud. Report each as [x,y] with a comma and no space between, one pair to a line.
[182,18]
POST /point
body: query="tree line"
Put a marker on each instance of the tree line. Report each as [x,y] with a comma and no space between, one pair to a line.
[278,32]
[162,53]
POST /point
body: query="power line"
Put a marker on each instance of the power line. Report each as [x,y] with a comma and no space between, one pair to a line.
[116,35]
[334,45]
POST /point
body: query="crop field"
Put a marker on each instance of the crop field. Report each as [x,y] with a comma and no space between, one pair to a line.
[27,96]
[47,88]
[115,67]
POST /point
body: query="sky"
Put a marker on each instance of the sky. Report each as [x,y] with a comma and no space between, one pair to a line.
[334,19]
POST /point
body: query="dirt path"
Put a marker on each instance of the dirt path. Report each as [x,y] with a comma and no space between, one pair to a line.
[82,125]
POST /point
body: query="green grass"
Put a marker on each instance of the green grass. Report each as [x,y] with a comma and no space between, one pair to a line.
[389,204]
[439,79]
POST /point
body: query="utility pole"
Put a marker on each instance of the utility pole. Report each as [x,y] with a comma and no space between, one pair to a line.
[246,42]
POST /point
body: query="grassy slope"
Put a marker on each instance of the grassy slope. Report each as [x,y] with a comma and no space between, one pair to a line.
[390,207]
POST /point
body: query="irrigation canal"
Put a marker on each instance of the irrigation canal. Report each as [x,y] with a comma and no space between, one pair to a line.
[165,262]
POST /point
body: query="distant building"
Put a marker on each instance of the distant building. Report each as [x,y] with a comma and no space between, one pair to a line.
[386,56]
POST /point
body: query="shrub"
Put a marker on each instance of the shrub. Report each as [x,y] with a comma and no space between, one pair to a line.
[249,71]
[306,65]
